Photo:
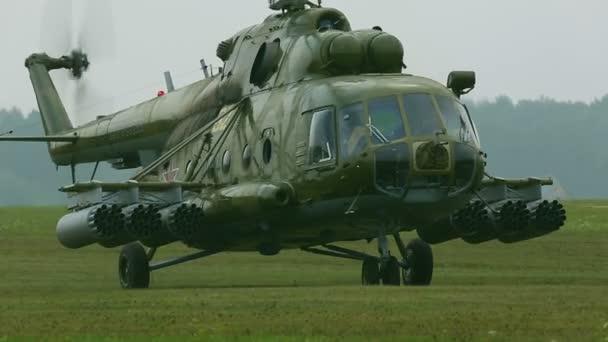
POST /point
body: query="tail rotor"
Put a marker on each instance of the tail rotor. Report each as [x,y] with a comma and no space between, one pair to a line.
[77,40]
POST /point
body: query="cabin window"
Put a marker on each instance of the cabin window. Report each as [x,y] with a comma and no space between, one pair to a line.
[267,151]
[422,115]
[385,121]
[322,137]
[189,169]
[226,160]
[247,157]
[353,130]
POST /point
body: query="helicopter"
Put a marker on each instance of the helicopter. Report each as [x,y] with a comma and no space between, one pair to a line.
[311,134]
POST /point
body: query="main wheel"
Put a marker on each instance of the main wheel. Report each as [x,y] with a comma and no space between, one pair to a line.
[133,267]
[391,273]
[370,273]
[419,262]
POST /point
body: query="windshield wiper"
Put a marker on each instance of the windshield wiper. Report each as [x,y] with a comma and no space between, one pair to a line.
[378,134]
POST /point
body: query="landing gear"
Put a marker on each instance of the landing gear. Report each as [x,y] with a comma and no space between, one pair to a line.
[373,272]
[419,259]
[133,267]
[391,275]
[416,267]
[134,264]
[370,272]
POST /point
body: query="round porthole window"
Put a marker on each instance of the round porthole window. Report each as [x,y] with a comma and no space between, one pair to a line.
[226,162]
[188,167]
[267,151]
[247,157]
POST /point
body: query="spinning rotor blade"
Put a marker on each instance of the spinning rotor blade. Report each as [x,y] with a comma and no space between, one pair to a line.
[56,36]
[92,34]
[96,33]
[56,28]
[86,99]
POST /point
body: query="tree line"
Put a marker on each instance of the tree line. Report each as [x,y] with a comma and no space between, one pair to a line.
[543,137]
[27,175]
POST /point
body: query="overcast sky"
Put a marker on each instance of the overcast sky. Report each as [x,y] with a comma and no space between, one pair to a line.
[522,48]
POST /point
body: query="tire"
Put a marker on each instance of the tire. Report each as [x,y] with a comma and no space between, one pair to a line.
[133,267]
[419,259]
[370,273]
[392,273]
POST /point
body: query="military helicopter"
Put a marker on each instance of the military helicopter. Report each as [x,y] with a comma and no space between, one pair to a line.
[311,134]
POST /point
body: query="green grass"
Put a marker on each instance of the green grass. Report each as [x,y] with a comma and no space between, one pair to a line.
[553,288]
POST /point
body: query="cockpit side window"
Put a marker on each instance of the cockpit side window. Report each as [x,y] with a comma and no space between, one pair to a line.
[422,115]
[385,121]
[454,122]
[456,119]
[322,138]
[353,130]
[464,112]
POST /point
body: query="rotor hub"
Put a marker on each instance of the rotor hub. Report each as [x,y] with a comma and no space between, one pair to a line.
[79,63]
[290,5]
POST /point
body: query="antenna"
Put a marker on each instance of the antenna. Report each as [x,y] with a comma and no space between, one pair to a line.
[169,81]
[205,68]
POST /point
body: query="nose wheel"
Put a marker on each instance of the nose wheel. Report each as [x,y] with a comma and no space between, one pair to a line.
[418,262]
[373,273]
[415,268]
[391,274]
[370,272]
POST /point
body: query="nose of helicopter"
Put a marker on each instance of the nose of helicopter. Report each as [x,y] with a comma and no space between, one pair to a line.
[427,171]
[421,148]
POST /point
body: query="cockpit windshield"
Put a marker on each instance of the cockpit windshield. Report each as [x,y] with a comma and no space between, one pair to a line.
[457,120]
[422,115]
[385,121]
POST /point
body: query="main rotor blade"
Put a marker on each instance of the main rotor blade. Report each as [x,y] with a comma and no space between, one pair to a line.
[87,99]
[92,32]
[56,28]
[96,33]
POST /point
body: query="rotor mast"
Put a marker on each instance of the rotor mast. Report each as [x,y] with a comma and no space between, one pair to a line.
[291,5]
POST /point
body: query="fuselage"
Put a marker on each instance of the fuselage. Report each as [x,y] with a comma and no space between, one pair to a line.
[308,105]
[360,152]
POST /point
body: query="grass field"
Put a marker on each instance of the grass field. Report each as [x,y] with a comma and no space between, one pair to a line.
[550,289]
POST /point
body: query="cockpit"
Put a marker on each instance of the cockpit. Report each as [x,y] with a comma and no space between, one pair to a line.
[392,118]
[419,140]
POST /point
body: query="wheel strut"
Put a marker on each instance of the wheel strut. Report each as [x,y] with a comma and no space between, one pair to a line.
[134,264]
[181,260]
[339,252]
